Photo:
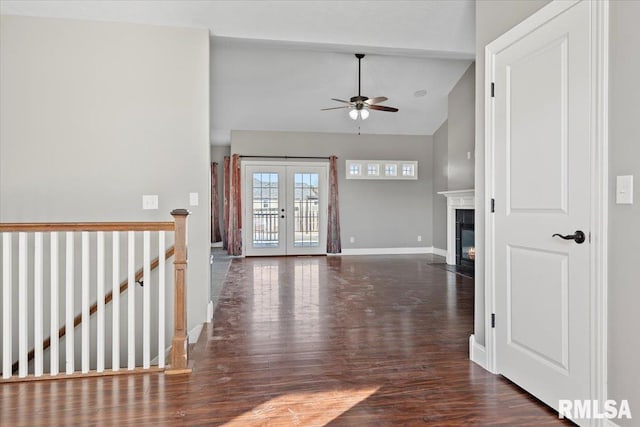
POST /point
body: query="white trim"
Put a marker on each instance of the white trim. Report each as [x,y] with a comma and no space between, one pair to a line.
[458,199]
[209,312]
[599,184]
[194,336]
[438,251]
[608,423]
[216,244]
[386,251]
[194,333]
[477,352]
[600,196]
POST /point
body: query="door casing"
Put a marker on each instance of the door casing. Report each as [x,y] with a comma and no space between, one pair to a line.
[598,186]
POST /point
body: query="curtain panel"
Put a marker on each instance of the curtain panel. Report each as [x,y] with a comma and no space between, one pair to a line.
[334,244]
[215,205]
[226,185]
[234,239]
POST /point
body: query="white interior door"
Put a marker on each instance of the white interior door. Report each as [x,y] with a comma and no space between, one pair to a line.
[541,185]
[285,209]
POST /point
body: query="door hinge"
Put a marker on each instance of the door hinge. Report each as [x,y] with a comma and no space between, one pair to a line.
[493,90]
[493,205]
[493,320]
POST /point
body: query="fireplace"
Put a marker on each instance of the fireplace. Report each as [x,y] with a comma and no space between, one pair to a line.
[465,239]
[459,200]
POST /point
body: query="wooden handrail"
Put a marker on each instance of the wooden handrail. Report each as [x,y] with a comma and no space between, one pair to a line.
[94,308]
[88,226]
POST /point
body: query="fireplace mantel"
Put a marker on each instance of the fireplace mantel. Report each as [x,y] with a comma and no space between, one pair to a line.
[457,199]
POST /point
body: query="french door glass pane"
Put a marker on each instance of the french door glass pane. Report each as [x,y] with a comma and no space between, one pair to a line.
[265,210]
[305,205]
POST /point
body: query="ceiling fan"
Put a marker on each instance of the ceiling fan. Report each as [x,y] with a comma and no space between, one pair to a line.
[359,106]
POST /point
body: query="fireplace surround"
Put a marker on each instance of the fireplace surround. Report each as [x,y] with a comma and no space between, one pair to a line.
[456,200]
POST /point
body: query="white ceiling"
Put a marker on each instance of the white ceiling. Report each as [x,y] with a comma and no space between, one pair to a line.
[276,63]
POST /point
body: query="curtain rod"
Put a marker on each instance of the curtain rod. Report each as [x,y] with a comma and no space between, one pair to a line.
[284,157]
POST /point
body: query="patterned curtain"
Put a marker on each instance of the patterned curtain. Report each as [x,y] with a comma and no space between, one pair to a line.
[215,205]
[334,245]
[234,244]
[226,184]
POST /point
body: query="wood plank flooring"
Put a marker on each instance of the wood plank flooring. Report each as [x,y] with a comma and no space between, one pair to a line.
[309,341]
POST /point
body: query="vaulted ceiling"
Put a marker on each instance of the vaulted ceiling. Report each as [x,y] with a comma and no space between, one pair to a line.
[275,64]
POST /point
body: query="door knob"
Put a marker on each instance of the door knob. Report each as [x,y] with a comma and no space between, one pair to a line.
[578,236]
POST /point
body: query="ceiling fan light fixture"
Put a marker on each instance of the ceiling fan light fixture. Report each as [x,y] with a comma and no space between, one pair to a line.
[359,105]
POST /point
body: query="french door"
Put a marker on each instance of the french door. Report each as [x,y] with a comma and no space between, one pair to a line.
[285,208]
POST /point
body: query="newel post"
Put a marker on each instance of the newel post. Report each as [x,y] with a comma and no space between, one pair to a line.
[180,342]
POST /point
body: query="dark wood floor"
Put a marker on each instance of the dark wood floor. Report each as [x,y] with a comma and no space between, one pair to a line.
[309,341]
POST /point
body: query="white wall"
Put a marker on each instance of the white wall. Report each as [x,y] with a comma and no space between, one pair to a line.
[440,183]
[377,213]
[624,220]
[94,115]
[461,132]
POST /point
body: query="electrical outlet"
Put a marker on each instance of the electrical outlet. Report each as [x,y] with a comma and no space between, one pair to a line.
[352,239]
[193,199]
[149,201]
[419,238]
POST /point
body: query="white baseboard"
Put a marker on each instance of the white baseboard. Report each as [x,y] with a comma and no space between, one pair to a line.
[387,251]
[194,333]
[477,352]
[209,312]
[438,251]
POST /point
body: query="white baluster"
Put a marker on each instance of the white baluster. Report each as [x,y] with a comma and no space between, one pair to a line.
[37,304]
[85,302]
[53,348]
[161,298]
[23,325]
[7,333]
[146,300]
[69,329]
[115,302]
[100,297]
[131,280]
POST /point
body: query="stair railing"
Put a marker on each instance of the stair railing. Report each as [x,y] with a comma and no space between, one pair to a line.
[32,241]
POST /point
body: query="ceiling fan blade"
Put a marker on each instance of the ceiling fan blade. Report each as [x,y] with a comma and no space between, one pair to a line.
[383,108]
[342,100]
[334,108]
[376,100]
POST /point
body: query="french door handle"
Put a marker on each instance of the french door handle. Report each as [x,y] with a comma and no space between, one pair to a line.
[578,236]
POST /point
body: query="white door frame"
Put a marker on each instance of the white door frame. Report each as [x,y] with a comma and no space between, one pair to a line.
[246,234]
[599,28]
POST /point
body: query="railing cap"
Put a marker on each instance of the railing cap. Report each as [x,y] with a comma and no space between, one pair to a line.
[179,212]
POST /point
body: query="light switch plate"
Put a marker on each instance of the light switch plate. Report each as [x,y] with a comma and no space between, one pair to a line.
[624,190]
[193,199]
[149,201]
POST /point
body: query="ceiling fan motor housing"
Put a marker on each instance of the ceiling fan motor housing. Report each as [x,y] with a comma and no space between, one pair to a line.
[359,101]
